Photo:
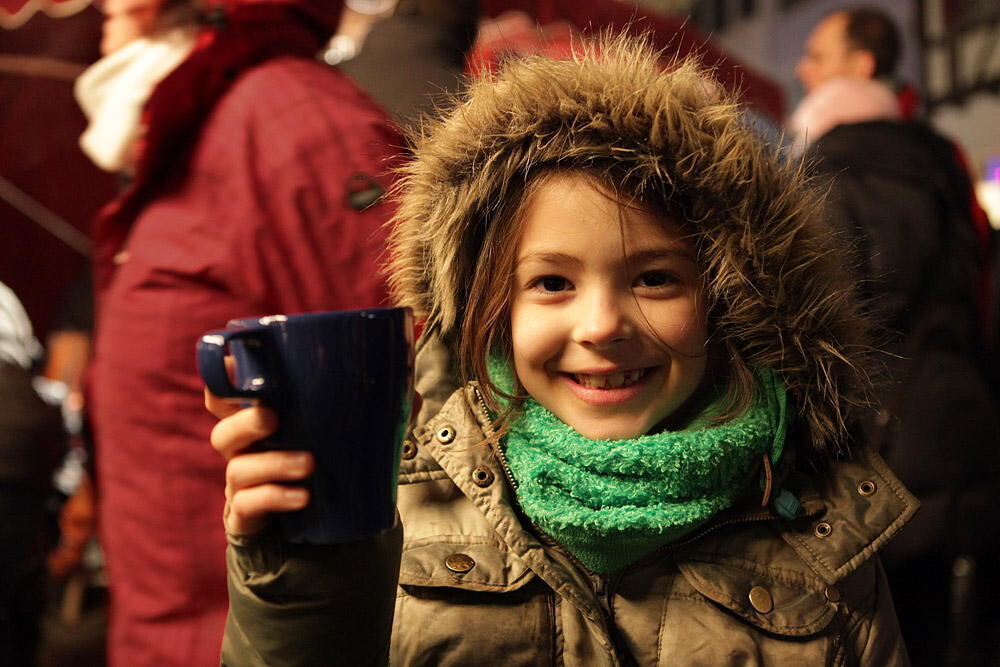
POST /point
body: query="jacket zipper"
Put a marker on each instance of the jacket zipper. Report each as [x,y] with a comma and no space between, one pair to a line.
[508,473]
[602,589]
[497,449]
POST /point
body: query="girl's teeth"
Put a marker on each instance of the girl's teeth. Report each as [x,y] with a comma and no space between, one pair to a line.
[613,381]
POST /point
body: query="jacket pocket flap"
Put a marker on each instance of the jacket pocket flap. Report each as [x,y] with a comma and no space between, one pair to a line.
[458,564]
[769,603]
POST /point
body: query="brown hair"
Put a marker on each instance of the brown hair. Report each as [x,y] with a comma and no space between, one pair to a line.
[870,29]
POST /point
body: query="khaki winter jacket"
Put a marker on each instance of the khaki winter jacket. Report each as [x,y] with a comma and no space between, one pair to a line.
[478,586]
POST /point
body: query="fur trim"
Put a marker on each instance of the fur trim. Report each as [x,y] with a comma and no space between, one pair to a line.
[778,295]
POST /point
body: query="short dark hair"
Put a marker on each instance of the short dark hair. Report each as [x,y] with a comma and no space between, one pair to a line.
[872,30]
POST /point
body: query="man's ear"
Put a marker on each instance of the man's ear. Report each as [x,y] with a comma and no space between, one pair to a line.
[861,63]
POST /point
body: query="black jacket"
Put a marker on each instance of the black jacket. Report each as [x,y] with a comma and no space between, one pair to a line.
[901,202]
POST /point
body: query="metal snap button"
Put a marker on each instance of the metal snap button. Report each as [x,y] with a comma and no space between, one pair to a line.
[823,529]
[445,435]
[832,594]
[867,487]
[459,563]
[482,477]
[761,600]
[408,451]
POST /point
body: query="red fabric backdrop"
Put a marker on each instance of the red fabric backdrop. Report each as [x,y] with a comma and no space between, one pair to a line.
[40,124]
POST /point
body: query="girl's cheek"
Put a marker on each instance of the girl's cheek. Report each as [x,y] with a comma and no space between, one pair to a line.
[683,327]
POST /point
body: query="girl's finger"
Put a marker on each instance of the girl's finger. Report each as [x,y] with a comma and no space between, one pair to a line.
[242,428]
[222,407]
[265,467]
[248,510]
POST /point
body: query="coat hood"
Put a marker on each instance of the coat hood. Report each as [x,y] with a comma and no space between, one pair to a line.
[777,294]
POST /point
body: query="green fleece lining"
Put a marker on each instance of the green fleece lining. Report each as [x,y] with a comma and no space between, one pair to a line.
[611,502]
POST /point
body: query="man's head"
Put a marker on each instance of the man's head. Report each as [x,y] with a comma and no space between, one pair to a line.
[861,43]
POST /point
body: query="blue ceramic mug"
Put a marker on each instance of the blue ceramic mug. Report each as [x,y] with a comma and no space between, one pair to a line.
[341,385]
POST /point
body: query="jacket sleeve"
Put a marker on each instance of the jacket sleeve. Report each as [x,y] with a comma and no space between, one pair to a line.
[296,604]
[877,640]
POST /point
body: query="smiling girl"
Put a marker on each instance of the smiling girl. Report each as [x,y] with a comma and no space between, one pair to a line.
[639,362]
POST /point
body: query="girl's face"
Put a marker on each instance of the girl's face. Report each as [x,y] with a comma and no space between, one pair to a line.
[607,315]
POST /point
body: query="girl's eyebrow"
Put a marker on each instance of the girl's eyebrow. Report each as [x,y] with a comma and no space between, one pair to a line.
[637,257]
[652,254]
[548,257]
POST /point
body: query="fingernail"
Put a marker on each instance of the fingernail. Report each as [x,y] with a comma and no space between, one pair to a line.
[298,462]
[264,421]
[296,496]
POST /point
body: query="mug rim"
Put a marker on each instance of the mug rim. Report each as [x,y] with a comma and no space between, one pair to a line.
[265,321]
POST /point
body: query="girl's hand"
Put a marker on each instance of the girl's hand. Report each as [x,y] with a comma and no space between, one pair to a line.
[253,488]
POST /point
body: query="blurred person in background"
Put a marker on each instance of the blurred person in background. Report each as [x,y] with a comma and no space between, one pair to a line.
[75,624]
[901,202]
[32,442]
[255,180]
[864,44]
[411,60]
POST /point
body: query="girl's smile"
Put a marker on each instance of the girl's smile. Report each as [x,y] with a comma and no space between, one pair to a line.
[608,388]
[607,315]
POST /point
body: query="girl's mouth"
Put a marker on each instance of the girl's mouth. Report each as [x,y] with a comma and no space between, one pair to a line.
[612,381]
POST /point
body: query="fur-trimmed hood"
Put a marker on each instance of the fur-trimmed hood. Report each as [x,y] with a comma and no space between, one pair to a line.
[777,293]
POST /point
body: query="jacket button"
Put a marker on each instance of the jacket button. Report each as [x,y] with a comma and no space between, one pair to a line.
[867,487]
[445,435]
[761,600]
[460,563]
[832,594]
[823,529]
[482,477]
[408,451]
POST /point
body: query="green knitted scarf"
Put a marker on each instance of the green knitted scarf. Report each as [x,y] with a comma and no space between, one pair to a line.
[610,502]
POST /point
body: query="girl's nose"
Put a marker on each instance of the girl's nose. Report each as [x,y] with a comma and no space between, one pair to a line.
[602,321]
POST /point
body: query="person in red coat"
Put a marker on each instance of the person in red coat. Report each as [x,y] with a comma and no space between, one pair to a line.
[256,182]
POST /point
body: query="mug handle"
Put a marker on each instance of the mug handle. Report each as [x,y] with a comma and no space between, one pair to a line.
[211,352]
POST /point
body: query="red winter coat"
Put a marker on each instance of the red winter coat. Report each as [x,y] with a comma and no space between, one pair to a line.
[255,219]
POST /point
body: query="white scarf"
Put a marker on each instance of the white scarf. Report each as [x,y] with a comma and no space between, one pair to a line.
[17,344]
[113,91]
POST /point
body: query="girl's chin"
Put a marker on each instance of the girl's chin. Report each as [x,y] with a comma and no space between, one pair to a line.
[606,431]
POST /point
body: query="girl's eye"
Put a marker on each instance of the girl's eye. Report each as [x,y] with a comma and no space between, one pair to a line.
[551,284]
[655,279]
